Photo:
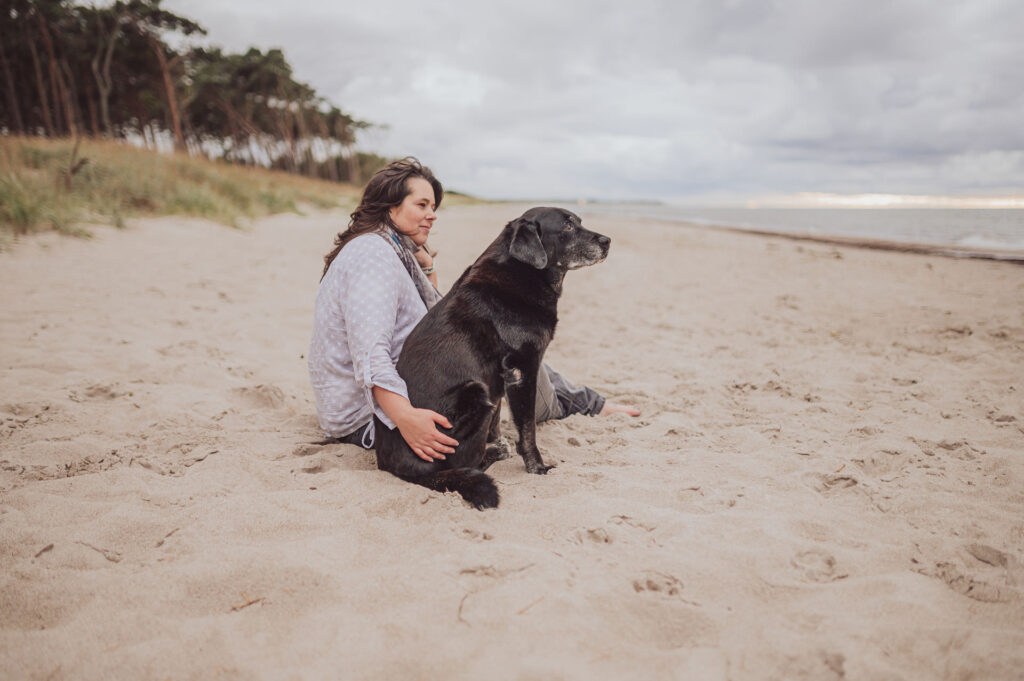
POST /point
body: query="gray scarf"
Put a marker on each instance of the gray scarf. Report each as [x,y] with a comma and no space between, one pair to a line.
[404,248]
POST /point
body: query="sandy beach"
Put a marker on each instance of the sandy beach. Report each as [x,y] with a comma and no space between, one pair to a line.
[827,481]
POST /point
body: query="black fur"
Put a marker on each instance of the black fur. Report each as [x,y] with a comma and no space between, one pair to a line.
[486,339]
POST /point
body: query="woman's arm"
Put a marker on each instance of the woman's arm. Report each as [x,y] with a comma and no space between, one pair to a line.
[369,301]
[417,426]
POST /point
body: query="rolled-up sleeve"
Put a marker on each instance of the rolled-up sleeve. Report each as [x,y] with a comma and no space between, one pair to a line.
[370,305]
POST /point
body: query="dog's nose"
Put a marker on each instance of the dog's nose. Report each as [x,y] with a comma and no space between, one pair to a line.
[604,241]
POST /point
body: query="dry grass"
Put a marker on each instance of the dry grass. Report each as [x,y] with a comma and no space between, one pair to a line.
[119,181]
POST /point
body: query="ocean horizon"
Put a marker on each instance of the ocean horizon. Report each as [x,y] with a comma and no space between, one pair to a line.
[995,229]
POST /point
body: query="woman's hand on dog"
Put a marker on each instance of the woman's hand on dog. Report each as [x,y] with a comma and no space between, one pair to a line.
[419,430]
[417,426]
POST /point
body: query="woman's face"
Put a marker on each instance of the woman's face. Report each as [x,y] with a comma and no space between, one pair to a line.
[415,215]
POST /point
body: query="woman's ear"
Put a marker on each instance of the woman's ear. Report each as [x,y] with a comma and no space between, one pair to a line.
[526,245]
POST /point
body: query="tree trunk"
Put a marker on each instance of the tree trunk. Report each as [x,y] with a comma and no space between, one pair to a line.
[55,94]
[353,164]
[172,100]
[306,164]
[104,86]
[93,114]
[72,94]
[60,89]
[93,117]
[44,102]
[101,71]
[12,97]
[330,163]
[242,130]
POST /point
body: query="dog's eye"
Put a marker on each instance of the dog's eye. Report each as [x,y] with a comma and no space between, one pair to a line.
[569,227]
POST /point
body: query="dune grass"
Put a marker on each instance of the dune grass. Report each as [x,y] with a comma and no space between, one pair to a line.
[119,181]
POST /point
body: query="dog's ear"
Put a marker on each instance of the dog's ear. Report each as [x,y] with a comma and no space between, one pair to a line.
[526,244]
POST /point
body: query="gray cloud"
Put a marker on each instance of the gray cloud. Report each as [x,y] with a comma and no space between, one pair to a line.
[666,99]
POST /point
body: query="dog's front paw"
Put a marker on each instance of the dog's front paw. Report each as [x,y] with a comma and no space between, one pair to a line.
[539,469]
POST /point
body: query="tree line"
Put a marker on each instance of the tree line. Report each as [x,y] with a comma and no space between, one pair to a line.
[71,71]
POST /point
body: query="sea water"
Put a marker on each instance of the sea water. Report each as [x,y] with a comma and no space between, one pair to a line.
[983,228]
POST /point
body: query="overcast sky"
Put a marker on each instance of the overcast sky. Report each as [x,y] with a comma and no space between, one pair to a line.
[694,99]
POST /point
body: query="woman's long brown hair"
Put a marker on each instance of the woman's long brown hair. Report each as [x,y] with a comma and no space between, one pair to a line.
[385,190]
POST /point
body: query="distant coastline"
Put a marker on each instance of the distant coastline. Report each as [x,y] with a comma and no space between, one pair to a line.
[990,233]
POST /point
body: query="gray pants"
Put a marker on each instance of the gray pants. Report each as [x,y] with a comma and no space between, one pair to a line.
[557,398]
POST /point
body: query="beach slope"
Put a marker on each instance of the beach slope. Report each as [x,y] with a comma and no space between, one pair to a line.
[827,480]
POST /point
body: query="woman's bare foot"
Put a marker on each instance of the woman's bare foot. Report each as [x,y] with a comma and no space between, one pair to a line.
[616,408]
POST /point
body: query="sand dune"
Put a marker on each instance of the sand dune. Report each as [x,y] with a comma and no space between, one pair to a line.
[827,481]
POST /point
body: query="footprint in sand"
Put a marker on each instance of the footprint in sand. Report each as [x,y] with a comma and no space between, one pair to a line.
[1001,419]
[92,463]
[658,583]
[1007,333]
[989,555]
[319,463]
[261,396]
[473,535]
[27,415]
[817,565]
[881,459]
[189,349]
[980,572]
[830,484]
[957,449]
[96,392]
[307,450]
[963,582]
[962,331]
[596,535]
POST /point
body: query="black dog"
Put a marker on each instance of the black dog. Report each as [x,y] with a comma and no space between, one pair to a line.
[485,339]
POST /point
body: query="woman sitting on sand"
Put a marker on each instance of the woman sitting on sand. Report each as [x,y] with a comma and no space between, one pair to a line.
[378,282]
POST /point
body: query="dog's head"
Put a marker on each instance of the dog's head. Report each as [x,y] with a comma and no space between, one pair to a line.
[555,238]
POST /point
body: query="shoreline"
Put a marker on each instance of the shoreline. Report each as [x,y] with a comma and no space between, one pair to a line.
[1010,255]
[993,251]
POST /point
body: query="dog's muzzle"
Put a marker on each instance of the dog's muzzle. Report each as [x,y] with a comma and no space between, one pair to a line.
[591,253]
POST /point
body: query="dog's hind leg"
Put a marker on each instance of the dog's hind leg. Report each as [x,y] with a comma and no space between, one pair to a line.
[395,457]
[498,448]
[496,451]
[471,409]
[494,430]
